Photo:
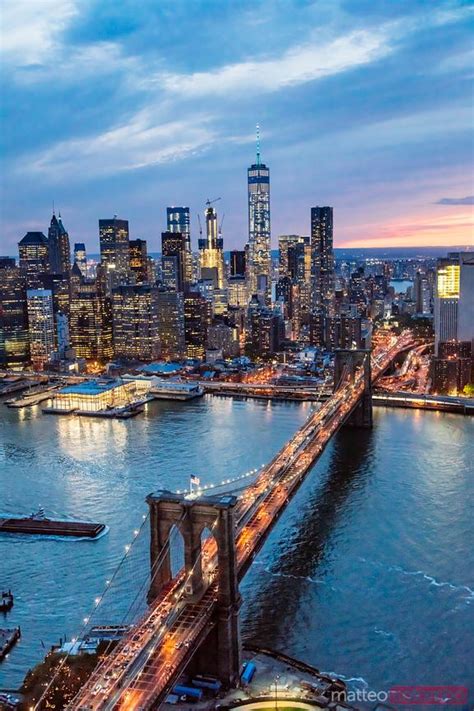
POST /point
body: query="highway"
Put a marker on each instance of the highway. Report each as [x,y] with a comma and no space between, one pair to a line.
[448,403]
[138,674]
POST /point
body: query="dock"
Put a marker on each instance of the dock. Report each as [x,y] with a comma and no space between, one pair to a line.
[120,413]
[8,639]
[421,401]
[9,386]
[34,398]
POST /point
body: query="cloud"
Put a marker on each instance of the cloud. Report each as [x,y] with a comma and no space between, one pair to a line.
[468,200]
[81,63]
[297,65]
[419,230]
[139,143]
[32,30]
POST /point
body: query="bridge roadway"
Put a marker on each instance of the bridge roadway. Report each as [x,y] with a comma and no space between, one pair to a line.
[139,673]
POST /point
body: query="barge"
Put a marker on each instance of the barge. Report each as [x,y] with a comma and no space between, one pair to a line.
[8,638]
[39,524]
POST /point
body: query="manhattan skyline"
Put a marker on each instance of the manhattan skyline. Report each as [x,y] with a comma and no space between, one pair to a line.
[366,108]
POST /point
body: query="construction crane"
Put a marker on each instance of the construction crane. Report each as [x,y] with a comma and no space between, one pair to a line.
[210,202]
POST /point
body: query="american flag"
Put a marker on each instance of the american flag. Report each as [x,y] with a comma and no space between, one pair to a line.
[195,480]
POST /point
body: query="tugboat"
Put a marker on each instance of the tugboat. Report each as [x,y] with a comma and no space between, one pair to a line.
[6,601]
[38,515]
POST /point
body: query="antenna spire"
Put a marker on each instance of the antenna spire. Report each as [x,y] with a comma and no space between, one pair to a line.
[258,144]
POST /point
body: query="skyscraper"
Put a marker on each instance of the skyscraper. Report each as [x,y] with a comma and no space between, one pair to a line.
[177,220]
[173,260]
[59,285]
[80,257]
[285,244]
[259,257]
[211,256]
[196,320]
[34,257]
[423,293]
[114,250]
[446,300]
[39,304]
[59,247]
[91,322]
[135,322]
[322,256]
[138,261]
[454,299]
[171,324]
[466,298]
[14,341]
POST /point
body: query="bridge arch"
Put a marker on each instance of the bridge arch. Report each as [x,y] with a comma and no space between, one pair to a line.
[176,544]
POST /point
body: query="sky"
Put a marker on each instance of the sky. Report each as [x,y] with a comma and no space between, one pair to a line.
[127,107]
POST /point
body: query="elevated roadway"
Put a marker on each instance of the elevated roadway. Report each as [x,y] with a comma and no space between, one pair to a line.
[139,673]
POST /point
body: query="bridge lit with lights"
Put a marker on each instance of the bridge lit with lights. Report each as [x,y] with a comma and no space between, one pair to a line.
[192,619]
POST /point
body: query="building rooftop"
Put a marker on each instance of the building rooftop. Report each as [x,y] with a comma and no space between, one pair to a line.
[90,387]
[161,368]
[33,238]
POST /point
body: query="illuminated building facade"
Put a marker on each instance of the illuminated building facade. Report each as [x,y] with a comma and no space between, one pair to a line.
[423,294]
[342,331]
[135,322]
[94,395]
[197,311]
[170,320]
[34,258]
[446,300]
[466,298]
[259,243]
[322,256]
[178,220]
[91,323]
[62,334]
[264,331]
[223,338]
[59,247]
[114,250]
[211,256]
[39,304]
[237,294]
[80,257]
[173,260]
[294,284]
[453,368]
[293,257]
[58,284]
[138,261]
[14,340]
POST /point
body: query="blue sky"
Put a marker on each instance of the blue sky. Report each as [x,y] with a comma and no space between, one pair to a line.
[126,107]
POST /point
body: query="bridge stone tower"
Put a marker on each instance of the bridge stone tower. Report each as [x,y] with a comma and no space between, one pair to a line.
[220,652]
[352,360]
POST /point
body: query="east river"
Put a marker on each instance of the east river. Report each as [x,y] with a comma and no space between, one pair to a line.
[368,574]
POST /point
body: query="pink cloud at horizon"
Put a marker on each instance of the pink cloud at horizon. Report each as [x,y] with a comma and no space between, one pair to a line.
[426,230]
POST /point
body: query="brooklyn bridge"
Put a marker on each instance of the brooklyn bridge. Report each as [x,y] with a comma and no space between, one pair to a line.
[192,619]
